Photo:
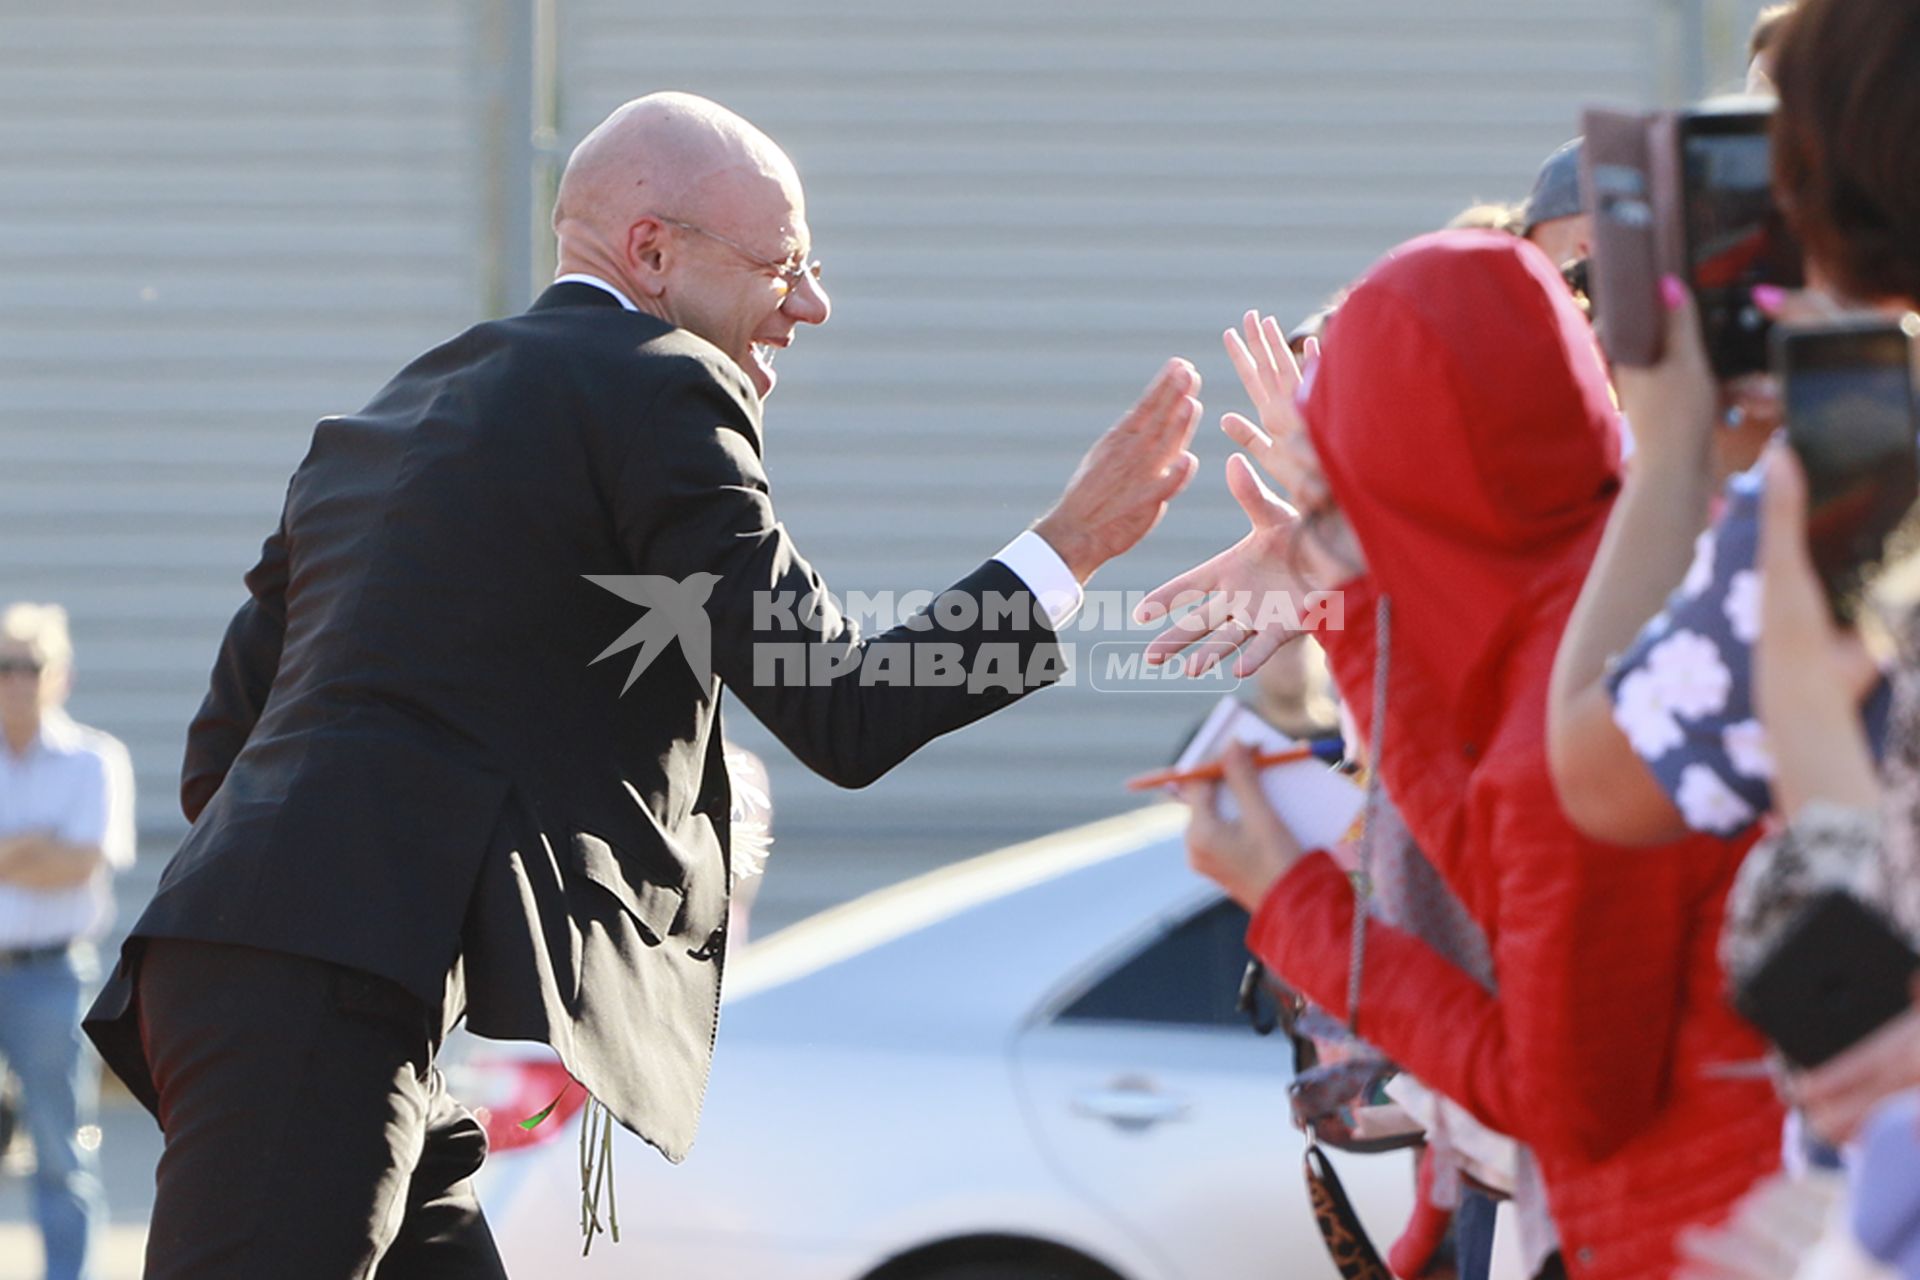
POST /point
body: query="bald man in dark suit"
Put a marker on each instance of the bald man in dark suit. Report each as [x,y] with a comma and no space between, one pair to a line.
[446,767]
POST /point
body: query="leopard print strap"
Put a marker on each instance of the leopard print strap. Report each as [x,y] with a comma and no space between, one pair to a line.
[1347,1242]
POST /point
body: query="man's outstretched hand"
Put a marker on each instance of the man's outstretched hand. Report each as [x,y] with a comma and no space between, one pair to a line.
[1123,485]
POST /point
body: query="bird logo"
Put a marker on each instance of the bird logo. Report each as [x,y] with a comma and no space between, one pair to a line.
[676,610]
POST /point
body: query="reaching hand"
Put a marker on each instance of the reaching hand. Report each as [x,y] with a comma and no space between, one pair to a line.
[1279,443]
[1809,675]
[1245,856]
[1123,485]
[1252,597]
[1672,406]
[1838,1095]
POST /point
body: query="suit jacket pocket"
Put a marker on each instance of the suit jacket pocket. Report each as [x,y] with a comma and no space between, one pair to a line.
[654,907]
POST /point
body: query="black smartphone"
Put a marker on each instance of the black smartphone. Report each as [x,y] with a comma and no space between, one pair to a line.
[1853,417]
[1838,973]
[1733,233]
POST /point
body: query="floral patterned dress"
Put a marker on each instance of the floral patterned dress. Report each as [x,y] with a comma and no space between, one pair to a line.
[1683,692]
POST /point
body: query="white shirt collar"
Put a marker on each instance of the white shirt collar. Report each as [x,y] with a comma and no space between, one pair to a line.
[581,277]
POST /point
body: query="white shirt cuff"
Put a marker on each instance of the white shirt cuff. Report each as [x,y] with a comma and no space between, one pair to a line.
[1054,587]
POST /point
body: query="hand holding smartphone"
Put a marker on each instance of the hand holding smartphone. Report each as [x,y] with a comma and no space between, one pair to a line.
[1687,194]
[1838,973]
[1853,419]
[1734,236]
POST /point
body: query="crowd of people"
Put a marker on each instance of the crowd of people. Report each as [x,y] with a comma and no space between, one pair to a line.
[1592,668]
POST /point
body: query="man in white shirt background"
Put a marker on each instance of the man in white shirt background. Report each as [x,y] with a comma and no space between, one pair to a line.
[66,825]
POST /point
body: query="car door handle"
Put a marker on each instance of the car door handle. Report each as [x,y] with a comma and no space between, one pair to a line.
[1131,1105]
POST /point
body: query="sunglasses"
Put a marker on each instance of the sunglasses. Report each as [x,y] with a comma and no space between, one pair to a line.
[20,667]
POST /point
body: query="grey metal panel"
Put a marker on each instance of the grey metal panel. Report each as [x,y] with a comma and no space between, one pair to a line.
[1024,208]
[218,221]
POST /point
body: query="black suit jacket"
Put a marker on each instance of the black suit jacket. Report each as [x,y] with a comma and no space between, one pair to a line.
[409,756]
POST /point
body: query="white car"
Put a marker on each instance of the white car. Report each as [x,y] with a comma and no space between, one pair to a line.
[1027,1066]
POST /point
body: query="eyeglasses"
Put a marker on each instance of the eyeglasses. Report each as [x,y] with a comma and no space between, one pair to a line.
[20,667]
[788,272]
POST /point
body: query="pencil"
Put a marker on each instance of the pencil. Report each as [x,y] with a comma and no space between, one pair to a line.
[1213,770]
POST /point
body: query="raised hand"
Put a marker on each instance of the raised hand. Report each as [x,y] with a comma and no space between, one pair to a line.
[1245,856]
[1122,486]
[1279,441]
[1672,406]
[1839,1095]
[1252,597]
[1809,675]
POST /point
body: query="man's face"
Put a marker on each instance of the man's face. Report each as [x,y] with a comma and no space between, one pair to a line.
[728,285]
[28,683]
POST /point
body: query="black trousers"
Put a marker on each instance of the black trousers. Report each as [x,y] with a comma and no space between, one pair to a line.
[309,1135]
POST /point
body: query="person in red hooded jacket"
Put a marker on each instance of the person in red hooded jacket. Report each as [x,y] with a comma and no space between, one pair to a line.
[1460,442]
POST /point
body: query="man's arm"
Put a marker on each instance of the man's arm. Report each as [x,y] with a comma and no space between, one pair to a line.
[695,500]
[94,829]
[242,677]
[1575,1051]
[41,860]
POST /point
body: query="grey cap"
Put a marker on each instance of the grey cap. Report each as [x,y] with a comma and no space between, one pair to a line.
[1556,191]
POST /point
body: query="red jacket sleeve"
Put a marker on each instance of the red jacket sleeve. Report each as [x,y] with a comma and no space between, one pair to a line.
[1573,1052]
[1422,1010]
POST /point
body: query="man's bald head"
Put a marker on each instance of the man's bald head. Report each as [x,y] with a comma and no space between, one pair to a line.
[673,154]
[695,217]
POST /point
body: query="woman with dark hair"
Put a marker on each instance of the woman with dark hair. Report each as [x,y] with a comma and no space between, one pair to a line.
[1462,425]
[1847,174]
[1847,177]
[1632,764]
[1846,170]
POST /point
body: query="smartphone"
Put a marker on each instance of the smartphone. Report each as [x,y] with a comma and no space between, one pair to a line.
[1733,234]
[1838,973]
[1853,417]
[1619,174]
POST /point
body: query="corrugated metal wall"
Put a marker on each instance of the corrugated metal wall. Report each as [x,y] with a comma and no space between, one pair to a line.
[220,220]
[1024,208]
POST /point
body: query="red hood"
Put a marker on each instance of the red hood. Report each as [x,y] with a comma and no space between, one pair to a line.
[1464,423]
[1463,418]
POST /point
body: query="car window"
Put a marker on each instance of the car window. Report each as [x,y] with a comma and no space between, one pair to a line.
[1188,975]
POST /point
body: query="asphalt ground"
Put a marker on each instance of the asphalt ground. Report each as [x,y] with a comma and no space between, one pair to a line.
[129,1146]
